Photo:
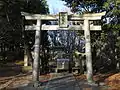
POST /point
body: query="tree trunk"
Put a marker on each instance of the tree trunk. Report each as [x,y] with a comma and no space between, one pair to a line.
[28,59]
[25,55]
[80,65]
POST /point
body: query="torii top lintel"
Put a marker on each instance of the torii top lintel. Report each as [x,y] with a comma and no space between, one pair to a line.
[90,16]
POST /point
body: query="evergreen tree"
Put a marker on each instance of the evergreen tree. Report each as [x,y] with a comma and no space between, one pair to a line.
[85,6]
[11,23]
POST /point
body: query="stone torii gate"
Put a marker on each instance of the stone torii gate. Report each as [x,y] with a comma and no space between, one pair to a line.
[84,22]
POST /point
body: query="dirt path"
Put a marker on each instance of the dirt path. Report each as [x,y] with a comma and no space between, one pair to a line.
[11,76]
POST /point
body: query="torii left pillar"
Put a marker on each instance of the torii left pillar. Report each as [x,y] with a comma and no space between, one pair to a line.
[36,62]
[88,51]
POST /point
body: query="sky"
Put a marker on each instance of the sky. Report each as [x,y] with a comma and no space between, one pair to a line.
[56,6]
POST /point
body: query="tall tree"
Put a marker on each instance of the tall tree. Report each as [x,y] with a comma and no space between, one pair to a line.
[11,22]
[112,24]
[85,6]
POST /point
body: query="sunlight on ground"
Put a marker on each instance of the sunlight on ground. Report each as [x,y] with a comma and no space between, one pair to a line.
[26,68]
[19,62]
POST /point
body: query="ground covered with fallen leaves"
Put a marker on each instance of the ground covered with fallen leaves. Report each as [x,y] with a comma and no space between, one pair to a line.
[12,76]
[112,80]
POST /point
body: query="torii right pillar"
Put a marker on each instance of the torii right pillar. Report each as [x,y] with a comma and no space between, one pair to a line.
[88,51]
